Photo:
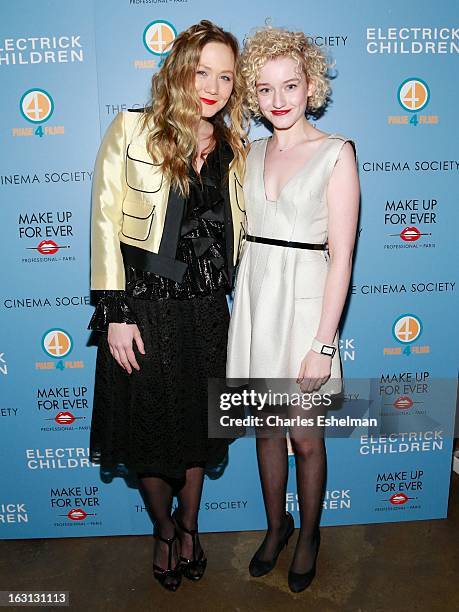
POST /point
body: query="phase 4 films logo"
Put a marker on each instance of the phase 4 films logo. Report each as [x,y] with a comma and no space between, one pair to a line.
[413,95]
[157,38]
[406,329]
[36,106]
[57,344]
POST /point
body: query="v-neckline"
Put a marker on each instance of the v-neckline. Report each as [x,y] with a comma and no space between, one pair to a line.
[211,152]
[297,173]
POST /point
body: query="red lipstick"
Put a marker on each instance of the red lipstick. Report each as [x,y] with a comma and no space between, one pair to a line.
[207,101]
[280,112]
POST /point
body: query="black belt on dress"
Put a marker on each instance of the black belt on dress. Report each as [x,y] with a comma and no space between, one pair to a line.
[286,243]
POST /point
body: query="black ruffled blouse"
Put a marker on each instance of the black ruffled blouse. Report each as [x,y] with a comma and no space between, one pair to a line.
[201,246]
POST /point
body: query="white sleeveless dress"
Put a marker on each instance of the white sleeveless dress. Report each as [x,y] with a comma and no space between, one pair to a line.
[279,290]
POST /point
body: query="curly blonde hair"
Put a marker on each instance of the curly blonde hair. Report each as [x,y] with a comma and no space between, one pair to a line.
[171,119]
[269,43]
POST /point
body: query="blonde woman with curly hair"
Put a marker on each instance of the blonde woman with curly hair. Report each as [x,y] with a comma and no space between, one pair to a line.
[302,196]
[167,214]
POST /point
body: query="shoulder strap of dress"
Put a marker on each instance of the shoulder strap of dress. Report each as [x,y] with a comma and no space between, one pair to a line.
[258,142]
[338,141]
[343,139]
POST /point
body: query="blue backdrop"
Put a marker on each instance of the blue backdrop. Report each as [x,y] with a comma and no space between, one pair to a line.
[64,74]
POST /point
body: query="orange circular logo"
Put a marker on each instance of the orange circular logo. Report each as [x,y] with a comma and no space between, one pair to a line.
[158,37]
[36,105]
[413,95]
[407,328]
[57,343]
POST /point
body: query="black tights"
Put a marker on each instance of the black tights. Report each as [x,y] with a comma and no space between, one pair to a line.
[158,494]
[310,459]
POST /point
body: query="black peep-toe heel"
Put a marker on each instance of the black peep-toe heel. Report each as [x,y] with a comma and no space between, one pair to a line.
[194,568]
[164,576]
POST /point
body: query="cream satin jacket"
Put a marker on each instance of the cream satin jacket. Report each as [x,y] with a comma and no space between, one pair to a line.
[130,199]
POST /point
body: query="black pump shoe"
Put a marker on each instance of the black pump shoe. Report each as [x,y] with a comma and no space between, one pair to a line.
[258,567]
[300,582]
[169,578]
[194,568]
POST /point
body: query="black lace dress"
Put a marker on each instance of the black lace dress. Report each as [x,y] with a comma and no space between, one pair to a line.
[155,420]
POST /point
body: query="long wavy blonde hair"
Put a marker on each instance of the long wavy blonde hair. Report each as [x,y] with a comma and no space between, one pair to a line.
[171,119]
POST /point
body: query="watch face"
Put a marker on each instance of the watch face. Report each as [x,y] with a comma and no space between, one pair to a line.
[328,350]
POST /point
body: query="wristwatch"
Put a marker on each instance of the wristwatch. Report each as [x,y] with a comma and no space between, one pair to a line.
[323,349]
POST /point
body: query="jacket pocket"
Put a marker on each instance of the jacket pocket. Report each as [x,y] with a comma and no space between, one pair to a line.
[138,216]
[141,173]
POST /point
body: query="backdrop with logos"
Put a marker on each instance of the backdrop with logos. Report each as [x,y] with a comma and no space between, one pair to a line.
[66,70]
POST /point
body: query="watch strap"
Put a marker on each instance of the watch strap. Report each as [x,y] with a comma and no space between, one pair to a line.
[323,349]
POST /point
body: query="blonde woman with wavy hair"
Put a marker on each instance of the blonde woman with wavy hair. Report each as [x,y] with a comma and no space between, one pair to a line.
[167,219]
[302,197]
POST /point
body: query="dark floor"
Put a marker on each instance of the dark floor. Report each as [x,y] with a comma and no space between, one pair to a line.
[372,568]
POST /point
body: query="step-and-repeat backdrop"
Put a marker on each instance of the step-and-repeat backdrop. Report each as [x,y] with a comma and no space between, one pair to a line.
[66,69]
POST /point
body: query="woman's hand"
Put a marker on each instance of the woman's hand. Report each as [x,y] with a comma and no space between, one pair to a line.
[314,371]
[120,339]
